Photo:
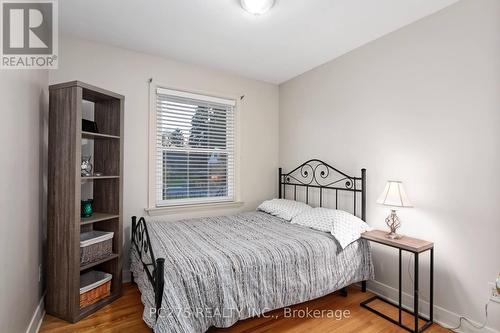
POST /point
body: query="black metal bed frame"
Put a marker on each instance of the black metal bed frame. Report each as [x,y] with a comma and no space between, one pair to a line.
[154,268]
[316,174]
[313,174]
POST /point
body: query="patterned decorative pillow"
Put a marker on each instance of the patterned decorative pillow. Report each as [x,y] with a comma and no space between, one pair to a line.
[348,228]
[285,209]
[316,218]
[345,227]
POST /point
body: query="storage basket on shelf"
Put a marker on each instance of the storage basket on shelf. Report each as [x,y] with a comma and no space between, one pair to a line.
[94,246]
[94,286]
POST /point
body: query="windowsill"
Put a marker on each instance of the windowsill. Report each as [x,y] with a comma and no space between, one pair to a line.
[167,210]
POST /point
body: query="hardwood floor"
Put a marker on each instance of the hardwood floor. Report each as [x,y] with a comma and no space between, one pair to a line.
[125,315]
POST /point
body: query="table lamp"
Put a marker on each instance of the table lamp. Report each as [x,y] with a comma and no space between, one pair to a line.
[394,196]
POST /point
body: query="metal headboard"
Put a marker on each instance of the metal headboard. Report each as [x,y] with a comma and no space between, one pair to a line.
[319,175]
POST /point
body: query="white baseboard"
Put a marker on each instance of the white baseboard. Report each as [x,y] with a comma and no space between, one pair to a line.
[36,320]
[442,316]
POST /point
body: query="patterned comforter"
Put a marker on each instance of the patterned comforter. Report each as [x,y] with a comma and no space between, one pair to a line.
[219,270]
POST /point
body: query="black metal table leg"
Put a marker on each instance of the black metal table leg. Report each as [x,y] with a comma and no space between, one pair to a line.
[431,298]
[415,293]
[400,284]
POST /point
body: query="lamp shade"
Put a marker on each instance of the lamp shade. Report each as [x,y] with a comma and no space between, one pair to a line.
[394,195]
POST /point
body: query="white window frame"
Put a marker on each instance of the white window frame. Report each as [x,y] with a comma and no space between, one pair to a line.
[210,203]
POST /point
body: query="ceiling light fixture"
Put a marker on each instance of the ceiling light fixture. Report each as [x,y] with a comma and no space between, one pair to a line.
[257,7]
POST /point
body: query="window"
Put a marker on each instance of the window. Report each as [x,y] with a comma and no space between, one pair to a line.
[195,143]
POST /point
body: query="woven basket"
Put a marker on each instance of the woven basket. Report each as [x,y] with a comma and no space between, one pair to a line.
[95,252]
[95,295]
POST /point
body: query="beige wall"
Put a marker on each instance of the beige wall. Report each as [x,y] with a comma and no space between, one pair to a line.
[127,72]
[23,100]
[421,105]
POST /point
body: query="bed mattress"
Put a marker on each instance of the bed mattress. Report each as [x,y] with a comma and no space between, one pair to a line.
[219,270]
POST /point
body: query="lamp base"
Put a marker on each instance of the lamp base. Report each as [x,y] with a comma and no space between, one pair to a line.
[393,223]
[393,235]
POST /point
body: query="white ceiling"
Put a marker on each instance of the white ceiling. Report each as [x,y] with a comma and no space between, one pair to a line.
[294,37]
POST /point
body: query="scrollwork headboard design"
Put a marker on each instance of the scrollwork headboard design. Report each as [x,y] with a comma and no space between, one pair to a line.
[316,174]
[154,268]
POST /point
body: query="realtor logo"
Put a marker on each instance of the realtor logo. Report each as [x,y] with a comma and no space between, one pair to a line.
[29,34]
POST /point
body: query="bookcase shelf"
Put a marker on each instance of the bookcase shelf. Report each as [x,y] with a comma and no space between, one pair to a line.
[91,135]
[110,257]
[65,186]
[98,217]
[99,177]
[88,310]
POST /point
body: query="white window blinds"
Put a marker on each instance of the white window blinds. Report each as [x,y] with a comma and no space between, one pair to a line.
[195,143]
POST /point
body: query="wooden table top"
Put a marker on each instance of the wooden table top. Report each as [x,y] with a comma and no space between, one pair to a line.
[405,243]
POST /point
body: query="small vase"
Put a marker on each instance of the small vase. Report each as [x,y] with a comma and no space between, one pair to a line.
[87,210]
[86,166]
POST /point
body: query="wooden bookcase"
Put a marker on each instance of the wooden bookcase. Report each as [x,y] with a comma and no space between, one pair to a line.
[65,193]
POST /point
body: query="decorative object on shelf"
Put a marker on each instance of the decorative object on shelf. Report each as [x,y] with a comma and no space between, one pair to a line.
[86,166]
[98,174]
[89,126]
[394,196]
[87,208]
[498,283]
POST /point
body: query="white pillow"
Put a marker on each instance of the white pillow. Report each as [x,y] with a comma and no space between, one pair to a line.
[348,228]
[316,218]
[345,227]
[285,209]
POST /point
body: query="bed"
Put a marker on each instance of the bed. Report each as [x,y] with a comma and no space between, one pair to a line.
[197,273]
